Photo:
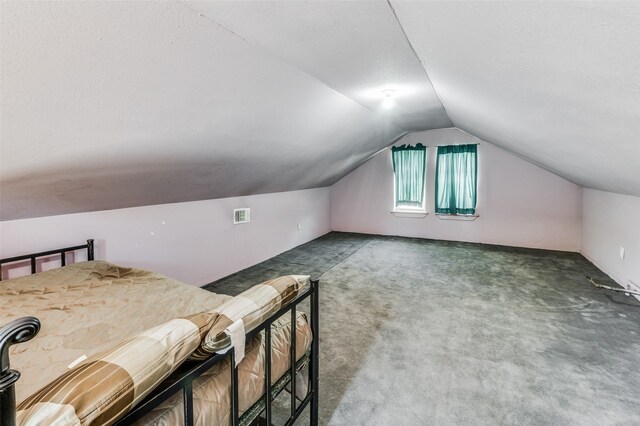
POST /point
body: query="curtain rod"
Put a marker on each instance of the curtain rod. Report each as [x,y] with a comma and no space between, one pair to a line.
[450,144]
[442,144]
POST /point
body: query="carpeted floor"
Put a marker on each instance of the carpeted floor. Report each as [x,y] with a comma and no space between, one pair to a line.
[418,332]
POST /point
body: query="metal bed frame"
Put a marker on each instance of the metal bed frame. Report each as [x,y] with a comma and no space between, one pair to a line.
[62,252]
[24,329]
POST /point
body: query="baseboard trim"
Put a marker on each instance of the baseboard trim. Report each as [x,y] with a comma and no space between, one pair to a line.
[621,282]
[501,244]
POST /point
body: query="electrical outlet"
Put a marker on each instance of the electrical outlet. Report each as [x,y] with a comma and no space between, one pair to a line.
[299,226]
[621,253]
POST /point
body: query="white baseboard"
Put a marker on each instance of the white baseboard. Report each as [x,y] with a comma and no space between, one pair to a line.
[621,282]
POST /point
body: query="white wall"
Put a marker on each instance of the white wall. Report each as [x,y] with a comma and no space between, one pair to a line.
[195,242]
[607,225]
[519,204]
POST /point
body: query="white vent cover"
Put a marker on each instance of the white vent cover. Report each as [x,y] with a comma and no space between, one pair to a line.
[241,215]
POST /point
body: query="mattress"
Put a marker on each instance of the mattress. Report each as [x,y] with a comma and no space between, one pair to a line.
[88,307]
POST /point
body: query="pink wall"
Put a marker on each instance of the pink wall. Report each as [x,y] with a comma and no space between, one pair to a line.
[519,204]
[607,225]
[195,242]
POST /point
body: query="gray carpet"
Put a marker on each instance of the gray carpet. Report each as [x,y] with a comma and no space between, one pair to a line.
[418,331]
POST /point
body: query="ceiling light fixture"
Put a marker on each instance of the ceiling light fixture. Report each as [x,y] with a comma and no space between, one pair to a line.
[388,101]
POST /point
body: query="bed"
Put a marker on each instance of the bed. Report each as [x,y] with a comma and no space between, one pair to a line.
[88,307]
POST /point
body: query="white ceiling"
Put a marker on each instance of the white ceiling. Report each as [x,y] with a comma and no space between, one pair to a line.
[116,104]
[356,48]
[556,82]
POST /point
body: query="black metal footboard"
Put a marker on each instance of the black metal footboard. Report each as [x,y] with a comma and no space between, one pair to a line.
[183,381]
[17,331]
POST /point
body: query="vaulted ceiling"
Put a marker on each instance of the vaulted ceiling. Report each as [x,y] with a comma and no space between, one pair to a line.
[557,83]
[116,104]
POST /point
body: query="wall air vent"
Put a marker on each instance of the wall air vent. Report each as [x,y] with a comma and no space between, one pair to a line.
[241,215]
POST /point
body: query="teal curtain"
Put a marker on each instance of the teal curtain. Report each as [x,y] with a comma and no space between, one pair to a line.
[457,179]
[409,166]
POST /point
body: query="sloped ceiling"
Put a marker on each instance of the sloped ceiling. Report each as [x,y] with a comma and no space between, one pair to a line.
[356,48]
[556,82]
[116,104]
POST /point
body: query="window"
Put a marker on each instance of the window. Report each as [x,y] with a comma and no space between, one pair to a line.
[456,179]
[408,168]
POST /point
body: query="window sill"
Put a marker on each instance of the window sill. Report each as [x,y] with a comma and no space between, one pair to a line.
[464,217]
[415,214]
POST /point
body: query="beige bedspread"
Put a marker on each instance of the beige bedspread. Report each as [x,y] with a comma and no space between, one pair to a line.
[87,307]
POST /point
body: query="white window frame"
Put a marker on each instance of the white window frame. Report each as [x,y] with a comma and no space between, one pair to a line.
[406,211]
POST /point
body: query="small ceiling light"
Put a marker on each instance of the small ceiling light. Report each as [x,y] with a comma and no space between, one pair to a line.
[388,101]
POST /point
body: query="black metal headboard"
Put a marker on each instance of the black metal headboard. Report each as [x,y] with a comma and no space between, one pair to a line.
[61,251]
